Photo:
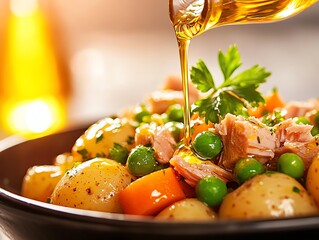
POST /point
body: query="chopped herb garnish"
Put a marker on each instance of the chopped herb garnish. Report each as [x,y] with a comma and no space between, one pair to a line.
[272,119]
[235,94]
[84,153]
[118,153]
[99,138]
[295,189]
[130,140]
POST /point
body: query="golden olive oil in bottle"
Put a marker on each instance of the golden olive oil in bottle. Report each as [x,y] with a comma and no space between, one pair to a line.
[191,18]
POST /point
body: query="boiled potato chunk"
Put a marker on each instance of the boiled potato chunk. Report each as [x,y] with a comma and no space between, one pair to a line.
[93,185]
[189,209]
[40,181]
[269,195]
[100,137]
[312,179]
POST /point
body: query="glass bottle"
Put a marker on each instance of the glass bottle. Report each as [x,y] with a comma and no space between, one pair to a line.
[193,17]
[34,86]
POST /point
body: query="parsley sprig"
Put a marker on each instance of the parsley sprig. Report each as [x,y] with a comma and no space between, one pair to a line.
[235,94]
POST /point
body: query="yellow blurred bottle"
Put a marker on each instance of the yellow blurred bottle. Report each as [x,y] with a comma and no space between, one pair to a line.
[33,85]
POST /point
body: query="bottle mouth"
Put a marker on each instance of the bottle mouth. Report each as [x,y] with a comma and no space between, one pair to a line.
[188,17]
[186,11]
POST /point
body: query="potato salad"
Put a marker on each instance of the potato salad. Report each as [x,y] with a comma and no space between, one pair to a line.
[250,155]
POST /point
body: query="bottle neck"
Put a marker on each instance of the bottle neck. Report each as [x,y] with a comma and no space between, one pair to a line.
[193,17]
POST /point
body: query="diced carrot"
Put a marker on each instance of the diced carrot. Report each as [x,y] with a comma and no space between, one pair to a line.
[151,193]
[257,111]
[199,125]
[272,101]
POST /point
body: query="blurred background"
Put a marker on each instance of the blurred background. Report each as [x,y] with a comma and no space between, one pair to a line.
[67,63]
[90,59]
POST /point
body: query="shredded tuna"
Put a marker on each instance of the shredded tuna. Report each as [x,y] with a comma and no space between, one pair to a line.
[175,83]
[160,100]
[193,172]
[160,138]
[244,138]
[296,138]
[171,93]
[300,108]
[288,130]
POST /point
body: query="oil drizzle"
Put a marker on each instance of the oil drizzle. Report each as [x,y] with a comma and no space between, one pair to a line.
[183,52]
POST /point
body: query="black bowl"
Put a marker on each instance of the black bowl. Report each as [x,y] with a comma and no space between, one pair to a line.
[24,219]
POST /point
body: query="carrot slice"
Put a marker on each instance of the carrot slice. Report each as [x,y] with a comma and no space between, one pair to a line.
[151,193]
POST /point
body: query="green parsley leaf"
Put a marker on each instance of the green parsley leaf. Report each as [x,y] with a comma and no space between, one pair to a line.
[235,94]
[229,62]
[250,94]
[207,107]
[251,77]
[202,77]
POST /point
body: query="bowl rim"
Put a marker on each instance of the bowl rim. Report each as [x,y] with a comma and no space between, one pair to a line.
[149,225]
[115,220]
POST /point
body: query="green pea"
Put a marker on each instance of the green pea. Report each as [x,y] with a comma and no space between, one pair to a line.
[175,113]
[314,131]
[291,164]
[302,120]
[140,113]
[246,168]
[175,128]
[211,190]
[164,118]
[207,144]
[118,153]
[141,161]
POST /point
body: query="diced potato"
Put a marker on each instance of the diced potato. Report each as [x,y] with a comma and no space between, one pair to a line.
[93,185]
[39,182]
[269,195]
[189,209]
[312,179]
[100,137]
